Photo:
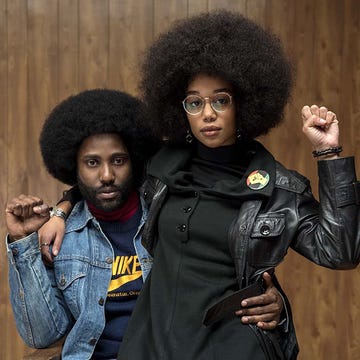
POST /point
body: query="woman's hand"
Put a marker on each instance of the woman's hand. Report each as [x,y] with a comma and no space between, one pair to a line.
[321,127]
[51,233]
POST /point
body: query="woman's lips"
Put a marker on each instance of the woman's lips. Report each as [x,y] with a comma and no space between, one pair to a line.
[210,131]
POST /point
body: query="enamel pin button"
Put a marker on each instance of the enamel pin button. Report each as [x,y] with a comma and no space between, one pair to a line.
[257,180]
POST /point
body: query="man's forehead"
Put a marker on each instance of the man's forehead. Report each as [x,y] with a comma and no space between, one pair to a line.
[103,141]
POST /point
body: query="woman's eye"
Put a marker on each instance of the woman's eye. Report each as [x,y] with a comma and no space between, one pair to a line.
[222,100]
[194,102]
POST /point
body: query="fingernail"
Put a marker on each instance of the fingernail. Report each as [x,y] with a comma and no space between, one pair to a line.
[55,252]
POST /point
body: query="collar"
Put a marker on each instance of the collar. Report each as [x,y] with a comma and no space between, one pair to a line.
[123,214]
[172,163]
[80,216]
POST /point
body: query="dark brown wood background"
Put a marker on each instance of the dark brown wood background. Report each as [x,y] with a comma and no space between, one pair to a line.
[50,49]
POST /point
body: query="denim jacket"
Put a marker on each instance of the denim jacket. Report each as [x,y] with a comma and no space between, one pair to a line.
[68,299]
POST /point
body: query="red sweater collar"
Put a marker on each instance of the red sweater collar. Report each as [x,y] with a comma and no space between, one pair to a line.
[122,215]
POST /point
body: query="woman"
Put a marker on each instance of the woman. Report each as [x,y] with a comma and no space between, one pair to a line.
[223,211]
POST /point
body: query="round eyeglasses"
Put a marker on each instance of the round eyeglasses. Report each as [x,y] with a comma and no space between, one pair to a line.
[194,104]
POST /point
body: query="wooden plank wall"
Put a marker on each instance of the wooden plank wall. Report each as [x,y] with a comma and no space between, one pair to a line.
[50,49]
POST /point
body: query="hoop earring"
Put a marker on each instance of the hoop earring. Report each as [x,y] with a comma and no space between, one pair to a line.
[189,138]
[238,134]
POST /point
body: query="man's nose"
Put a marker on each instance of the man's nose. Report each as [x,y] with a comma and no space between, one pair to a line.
[107,174]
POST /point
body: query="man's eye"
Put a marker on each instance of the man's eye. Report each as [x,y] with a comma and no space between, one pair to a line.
[120,161]
[91,163]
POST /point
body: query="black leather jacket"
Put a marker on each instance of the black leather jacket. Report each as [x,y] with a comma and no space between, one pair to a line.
[326,233]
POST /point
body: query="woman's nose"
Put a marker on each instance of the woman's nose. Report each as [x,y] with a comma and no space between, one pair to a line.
[209,113]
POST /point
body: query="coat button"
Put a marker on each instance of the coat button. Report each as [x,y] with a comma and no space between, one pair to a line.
[181,228]
[15,251]
[62,281]
[101,301]
[92,342]
[109,260]
[187,209]
[265,230]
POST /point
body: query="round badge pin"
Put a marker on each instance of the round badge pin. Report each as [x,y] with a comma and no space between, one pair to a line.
[257,180]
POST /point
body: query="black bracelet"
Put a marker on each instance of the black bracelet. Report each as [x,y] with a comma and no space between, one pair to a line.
[333,150]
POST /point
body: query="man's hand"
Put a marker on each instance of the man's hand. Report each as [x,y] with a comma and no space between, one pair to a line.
[25,214]
[263,310]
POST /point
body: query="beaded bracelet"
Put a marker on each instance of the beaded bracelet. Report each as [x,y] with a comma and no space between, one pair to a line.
[333,150]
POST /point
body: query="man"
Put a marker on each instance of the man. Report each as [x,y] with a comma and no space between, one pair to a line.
[91,140]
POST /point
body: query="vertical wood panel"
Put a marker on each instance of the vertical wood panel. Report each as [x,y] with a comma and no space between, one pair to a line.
[68,35]
[232,5]
[255,10]
[16,138]
[68,67]
[129,36]
[42,84]
[94,43]
[5,311]
[348,291]
[350,74]
[166,12]
[197,6]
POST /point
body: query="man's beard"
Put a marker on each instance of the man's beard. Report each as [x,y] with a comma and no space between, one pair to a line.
[108,205]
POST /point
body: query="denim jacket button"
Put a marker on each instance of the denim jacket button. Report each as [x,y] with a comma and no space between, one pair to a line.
[109,260]
[101,301]
[92,342]
[15,251]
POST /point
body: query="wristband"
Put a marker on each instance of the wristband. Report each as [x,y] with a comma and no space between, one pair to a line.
[59,213]
[333,150]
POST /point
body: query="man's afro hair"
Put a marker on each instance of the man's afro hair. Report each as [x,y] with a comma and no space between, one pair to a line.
[88,113]
[224,44]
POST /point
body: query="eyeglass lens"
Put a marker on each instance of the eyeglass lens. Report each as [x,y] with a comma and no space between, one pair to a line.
[194,104]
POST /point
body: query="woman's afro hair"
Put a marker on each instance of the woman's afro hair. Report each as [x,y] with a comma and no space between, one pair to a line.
[88,113]
[223,44]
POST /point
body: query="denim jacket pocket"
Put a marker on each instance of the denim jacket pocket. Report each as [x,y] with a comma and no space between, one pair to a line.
[267,245]
[70,278]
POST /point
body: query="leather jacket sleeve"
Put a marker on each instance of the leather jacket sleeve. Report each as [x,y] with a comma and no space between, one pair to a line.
[328,232]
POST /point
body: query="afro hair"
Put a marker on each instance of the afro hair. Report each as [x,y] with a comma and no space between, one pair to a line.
[223,44]
[88,113]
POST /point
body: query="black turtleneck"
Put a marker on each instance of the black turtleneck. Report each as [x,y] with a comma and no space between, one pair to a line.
[210,165]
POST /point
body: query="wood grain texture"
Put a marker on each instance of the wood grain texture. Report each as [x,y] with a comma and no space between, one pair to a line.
[50,49]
